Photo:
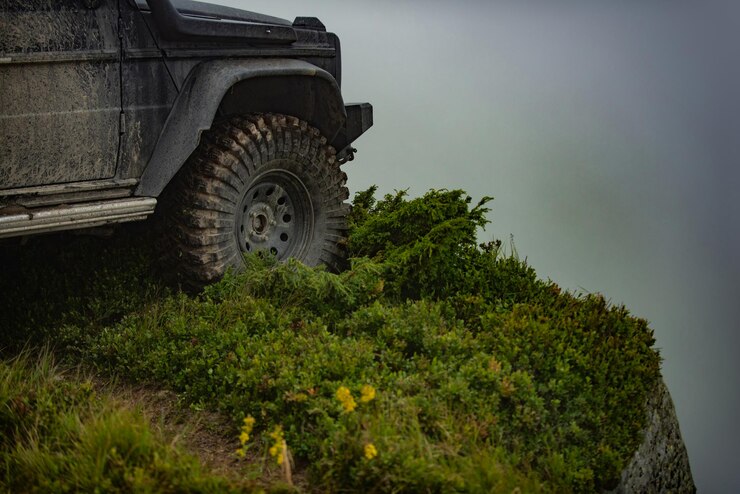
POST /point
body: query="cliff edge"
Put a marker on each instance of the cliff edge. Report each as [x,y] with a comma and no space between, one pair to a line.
[661,463]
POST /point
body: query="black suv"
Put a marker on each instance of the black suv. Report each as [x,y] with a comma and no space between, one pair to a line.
[230,123]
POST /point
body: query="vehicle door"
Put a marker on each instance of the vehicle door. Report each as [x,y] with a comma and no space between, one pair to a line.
[60,91]
[149,90]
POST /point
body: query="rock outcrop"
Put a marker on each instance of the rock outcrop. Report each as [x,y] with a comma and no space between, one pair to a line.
[661,463]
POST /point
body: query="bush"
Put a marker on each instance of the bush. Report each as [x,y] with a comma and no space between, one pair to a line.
[487,378]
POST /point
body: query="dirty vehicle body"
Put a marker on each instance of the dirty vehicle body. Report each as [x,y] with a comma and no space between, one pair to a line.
[230,123]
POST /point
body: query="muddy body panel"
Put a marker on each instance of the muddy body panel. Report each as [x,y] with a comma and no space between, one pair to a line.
[106,99]
[60,101]
[148,92]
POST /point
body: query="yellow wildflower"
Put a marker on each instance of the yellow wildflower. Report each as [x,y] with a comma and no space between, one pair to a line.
[368,393]
[277,433]
[370,451]
[277,450]
[246,429]
[244,435]
[345,397]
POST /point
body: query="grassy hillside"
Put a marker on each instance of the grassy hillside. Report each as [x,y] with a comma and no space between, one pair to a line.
[60,435]
[432,364]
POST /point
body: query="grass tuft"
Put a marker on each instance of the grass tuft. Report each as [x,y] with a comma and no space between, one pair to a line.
[60,435]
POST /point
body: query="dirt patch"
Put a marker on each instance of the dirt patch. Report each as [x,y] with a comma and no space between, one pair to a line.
[210,436]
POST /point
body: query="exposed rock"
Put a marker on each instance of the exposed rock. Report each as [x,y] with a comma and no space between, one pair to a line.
[661,464]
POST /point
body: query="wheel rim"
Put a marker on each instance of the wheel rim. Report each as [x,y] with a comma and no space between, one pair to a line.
[275,215]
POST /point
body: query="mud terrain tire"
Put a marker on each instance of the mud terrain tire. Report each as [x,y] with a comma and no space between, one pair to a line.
[255,183]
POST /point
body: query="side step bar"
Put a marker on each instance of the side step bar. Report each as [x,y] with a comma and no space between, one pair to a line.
[74,216]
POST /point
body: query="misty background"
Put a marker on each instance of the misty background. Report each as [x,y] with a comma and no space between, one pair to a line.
[609,135]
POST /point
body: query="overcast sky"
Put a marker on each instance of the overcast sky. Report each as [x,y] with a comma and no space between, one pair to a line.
[609,135]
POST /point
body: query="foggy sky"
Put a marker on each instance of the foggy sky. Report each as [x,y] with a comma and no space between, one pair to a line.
[609,136]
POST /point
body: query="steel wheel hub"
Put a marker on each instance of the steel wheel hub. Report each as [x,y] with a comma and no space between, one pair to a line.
[275,215]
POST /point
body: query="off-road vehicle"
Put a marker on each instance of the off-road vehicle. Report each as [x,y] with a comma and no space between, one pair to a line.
[230,123]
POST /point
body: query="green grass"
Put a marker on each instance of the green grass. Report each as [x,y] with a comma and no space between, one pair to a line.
[59,435]
[487,378]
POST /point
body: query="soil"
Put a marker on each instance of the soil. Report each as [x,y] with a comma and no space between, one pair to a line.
[210,436]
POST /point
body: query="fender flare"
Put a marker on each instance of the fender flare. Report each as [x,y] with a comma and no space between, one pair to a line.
[201,95]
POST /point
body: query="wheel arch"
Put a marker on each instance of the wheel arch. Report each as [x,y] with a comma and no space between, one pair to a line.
[231,87]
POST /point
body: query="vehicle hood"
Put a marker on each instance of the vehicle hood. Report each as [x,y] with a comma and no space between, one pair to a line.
[202,9]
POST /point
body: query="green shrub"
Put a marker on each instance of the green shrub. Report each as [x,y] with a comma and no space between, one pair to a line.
[426,244]
[487,378]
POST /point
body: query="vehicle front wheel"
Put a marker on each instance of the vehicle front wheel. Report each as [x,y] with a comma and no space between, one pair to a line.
[266,183]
